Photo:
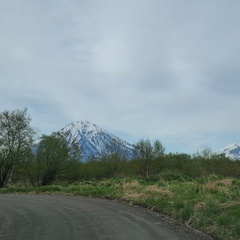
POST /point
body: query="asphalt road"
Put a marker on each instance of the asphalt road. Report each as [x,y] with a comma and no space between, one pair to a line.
[43,217]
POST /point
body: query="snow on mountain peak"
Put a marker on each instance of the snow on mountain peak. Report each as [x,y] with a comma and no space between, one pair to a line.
[94,141]
[232,151]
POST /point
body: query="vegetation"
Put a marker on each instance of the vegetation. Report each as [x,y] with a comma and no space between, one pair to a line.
[52,156]
[16,138]
[146,152]
[201,190]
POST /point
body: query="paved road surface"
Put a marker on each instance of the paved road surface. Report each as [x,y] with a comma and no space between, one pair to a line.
[51,217]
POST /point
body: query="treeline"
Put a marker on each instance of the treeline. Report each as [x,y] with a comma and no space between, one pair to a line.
[175,165]
[53,159]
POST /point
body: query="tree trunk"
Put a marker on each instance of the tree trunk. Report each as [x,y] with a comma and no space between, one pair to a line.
[6,173]
[48,179]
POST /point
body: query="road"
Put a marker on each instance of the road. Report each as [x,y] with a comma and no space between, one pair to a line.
[51,217]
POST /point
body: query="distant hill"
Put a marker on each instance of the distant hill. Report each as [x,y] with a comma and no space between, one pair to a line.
[96,142]
[232,151]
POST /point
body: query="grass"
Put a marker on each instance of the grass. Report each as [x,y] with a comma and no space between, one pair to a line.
[211,204]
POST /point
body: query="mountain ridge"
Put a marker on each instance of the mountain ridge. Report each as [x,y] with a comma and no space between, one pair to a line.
[94,141]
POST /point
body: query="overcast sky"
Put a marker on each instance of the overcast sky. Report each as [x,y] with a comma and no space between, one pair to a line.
[167,70]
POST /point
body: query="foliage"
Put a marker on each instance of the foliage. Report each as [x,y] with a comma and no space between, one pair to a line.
[16,138]
[53,155]
[146,152]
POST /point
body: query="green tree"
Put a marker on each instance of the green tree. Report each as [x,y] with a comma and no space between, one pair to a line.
[158,149]
[147,152]
[16,139]
[53,156]
[144,151]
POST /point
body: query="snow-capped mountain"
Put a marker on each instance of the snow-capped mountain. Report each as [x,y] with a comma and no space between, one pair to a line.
[232,151]
[94,141]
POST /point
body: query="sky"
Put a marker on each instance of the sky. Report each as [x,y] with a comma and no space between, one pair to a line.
[140,69]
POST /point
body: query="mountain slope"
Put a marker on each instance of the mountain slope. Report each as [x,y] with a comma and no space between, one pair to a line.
[94,141]
[232,151]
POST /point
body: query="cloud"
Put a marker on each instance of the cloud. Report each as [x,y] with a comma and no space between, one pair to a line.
[163,70]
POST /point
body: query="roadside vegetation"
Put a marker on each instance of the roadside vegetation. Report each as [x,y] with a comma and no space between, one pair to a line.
[200,190]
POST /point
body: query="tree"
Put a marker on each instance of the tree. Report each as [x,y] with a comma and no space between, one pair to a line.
[53,155]
[147,152]
[144,150]
[158,149]
[205,153]
[16,139]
